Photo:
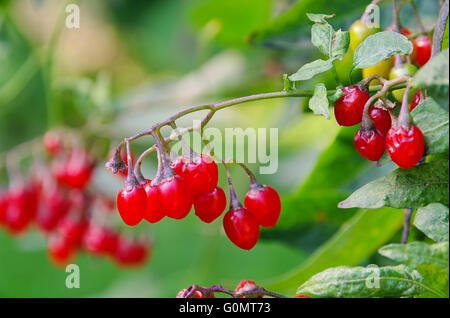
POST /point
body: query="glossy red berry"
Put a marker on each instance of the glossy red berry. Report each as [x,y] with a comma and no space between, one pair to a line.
[370,145]
[131,252]
[132,204]
[175,197]
[21,209]
[154,212]
[100,240]
[405,147]
[381,119]
[349,108]
[416,100]
[78,169]
[60,251]
[52,142]
[210,206]
[264,203]
[201,174]
[423,49]
[241,228]
[177,165]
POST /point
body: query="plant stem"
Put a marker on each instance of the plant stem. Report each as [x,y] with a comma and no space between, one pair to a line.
[406,222]
[208,292]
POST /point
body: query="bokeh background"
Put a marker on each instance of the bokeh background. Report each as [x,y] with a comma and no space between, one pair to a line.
[134,63]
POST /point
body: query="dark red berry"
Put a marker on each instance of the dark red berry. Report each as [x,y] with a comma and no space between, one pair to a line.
[241,228]
[132,204]
[174,197]
[264,203]
[52,142]
[405,147]
[381,119]
[210,206]
[60,251]
[416,100]
[201,174]
[154,212]
[131,252]
[423,49]
[371,144]
[349,108]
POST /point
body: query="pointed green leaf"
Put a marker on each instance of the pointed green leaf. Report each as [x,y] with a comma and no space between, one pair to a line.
[417,253]
[433,221]
[308,71]
[364,282]
[410,188]
[322,37]
[341,41]
[381,46]
[319,102]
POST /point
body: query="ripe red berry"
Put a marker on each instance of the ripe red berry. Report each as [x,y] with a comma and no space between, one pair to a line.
[370,145]
[60,251]
[302,296]
[416,100]
[3,205]
[100,240]
[78,169]
[72,228]
[174,197]
[349,108]
[264,203]
[247,286]
[52,207]
[131,252]
[132,204]
[381,119]
[405,147]
[177,165]
[423,49]
[21,209]
[241,228]
[154,212]
[210,206]
[201,174]
[52,142]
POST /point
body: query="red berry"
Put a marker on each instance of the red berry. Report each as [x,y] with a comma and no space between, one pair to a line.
[381,119]
[100,240]
[21,209]
[210,206]
[123,155]
[416,100]
[264,203]
[371,145]
[423,49]
[177,165]
[53,206]
[3,205]
[201,174]
[302,296]
[78,169]
[52,143]
[60,251]
[405,147]
[154,213]
[132,204]
[349,108]
[174,197]
[130,252]
[196,294]
[241,228]
[247,286]
[72,228]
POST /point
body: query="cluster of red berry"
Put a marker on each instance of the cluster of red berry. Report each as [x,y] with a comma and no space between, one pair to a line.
[181,184]
[382,129]
[57,201]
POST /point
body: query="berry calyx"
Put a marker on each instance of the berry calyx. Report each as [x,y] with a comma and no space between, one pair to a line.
[201,174]
[196,294]
[132,204]
[349,108]
[154,212]
[381,118]
[264,203]
[249,288]
[422,45]
[241,227]
[174,197]
[370,144]
[210,206]
[405,146]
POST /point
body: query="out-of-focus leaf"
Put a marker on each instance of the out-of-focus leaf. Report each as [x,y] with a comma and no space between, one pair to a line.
[319,102]
[309,70]
[417,253]
[381,46]
[410,188]
[433,221]
[364,282]
[433,122]
[356,240]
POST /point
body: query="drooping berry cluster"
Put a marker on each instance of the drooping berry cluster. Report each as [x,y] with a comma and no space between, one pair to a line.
[59,202]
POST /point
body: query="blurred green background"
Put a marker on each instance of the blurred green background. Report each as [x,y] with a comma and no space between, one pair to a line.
[134,63]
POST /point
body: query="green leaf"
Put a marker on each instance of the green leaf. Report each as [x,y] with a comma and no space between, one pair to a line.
[338,94]
[341,41]
[322,37]
[417,253]
[319,18]
[445,38]
[364,282]
[433,122]
[436,279]
[433,221]
[319,102]
[410,188]
[357,239]
[381,46]
[308,71]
